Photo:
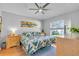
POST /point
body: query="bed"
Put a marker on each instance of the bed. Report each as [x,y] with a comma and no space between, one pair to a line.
[33,42]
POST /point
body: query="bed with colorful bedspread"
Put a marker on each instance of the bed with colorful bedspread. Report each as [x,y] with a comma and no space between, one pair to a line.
[33,43]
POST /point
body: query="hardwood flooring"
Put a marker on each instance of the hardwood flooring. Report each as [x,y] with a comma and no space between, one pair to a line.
[18,51]
[64,47]
[15,51]
[67,47]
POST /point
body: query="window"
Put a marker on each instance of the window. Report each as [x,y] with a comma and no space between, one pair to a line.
[57,28]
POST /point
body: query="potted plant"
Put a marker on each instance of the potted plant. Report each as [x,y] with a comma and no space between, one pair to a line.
[75,31]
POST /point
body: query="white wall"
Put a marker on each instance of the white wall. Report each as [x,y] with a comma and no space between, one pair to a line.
[70,20]
[0,13]
[10,20]
[0,9]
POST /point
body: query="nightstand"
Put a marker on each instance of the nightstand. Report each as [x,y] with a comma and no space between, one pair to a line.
[13,40]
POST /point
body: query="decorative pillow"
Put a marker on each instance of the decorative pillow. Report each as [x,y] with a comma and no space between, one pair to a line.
[30,34]
[36,33]
[27,34]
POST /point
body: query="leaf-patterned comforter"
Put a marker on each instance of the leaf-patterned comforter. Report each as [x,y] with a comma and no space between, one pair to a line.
[31,45]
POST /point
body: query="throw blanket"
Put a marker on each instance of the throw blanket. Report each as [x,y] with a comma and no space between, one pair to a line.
[31,45]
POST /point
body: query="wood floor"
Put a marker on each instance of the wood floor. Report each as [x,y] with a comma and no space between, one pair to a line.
[18,51]
[67,47]
[64,47]
[15,51]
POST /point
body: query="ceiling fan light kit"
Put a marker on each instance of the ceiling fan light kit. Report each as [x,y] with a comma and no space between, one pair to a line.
[40,9]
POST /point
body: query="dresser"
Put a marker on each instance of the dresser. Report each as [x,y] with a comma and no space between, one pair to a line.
[13,40]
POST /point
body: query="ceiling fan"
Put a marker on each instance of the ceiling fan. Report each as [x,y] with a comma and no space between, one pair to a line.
[40,8]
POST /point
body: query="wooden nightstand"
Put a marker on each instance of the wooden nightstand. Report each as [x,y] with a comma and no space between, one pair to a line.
[12,41]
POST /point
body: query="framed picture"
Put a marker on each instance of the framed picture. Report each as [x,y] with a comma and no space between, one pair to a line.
[0,23]
[28,24]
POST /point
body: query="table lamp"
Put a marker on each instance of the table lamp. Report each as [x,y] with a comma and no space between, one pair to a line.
[13,31]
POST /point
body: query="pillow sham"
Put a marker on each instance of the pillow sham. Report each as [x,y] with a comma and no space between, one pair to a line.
[30,34]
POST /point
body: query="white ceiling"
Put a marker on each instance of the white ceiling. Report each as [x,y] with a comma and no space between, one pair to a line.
[23,9]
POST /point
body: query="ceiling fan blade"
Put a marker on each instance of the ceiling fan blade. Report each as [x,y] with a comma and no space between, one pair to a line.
[46,5]
[36,5]
[36,12]
[32,9]
[45,9]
